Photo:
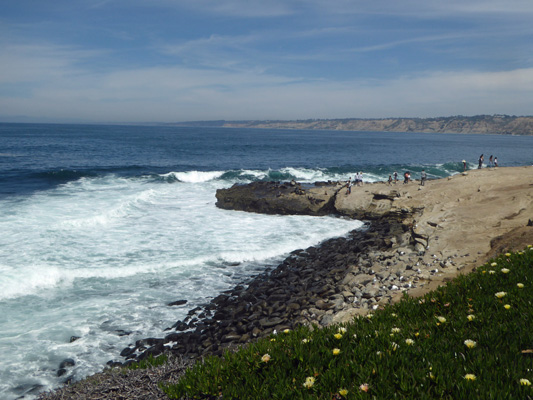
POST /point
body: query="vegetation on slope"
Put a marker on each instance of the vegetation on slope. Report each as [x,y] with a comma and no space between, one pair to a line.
[470,339]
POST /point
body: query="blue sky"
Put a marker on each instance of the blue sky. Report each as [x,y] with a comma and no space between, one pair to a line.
[176,60]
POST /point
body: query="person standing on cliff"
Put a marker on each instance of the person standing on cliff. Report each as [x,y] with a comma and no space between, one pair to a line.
[390,179]
[480,162]
[423,178]
[406,177]
[495,161]
[395,177]
[464,165]
[349,185]
[490,161]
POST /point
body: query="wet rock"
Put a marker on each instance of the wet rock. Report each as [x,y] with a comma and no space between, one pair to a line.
[177,303]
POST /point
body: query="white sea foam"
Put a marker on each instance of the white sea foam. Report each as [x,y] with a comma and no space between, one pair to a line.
[101,255]
[306,174]
[195,176]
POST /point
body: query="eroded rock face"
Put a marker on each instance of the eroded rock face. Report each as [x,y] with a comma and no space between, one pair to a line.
[366,202]
[280,198]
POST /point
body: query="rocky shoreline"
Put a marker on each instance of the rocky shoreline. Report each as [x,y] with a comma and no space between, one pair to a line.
[415,238]
[311,286]
[320,285]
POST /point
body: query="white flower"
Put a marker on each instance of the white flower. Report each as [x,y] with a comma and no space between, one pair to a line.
[525,382]
[441,319]
[500,294]
[493,264]
[342,329]
[409,342]
[265,358]
[309,382]
[470,343]
[520,285]
[505,270]
[395,330]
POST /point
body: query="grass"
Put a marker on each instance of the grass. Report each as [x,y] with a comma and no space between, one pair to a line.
[466,340]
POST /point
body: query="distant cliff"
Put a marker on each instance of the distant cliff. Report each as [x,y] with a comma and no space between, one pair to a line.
[495,124]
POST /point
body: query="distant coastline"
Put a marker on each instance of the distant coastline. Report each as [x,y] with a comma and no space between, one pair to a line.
[485,124]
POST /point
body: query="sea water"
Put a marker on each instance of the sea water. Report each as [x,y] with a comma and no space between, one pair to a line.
[102,226]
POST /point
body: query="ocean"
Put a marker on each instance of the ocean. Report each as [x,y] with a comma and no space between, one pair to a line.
[102,226]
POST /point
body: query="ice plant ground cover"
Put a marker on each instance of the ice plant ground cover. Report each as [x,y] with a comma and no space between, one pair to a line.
[457,342]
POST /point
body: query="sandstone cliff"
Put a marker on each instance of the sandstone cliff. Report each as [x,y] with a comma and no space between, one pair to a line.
[489,124]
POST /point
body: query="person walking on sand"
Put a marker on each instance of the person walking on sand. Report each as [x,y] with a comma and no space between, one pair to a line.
[395,177]
[480,162]
[495,161]
[464,165]
[490,161]
[423,178]
[390,179]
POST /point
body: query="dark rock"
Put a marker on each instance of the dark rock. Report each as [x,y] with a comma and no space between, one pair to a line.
[73,338]
[67,362]
[177,303]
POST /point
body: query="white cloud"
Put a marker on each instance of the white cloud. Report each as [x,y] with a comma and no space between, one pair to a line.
[177,94]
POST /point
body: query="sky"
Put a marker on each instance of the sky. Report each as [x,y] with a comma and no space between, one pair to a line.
[138,61]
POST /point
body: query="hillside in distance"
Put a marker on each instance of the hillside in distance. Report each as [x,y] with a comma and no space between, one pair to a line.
[489,124]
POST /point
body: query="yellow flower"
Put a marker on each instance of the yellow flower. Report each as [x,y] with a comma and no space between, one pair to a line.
[470,317]
[336,351]
[525,382]
[505,270]
[343,392]
[364,387]
[273,339]
[309,382]
[265,358]
[492,272]
[286,331]
[507,306]
[493,264]
[409,342]
[507,254]
[500,294]
[393,315]
[441,319]
[470,377]
[369,316]
[338,336]
[394,346]
[520,285]
[470,343]
[484,271]
[417,334]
